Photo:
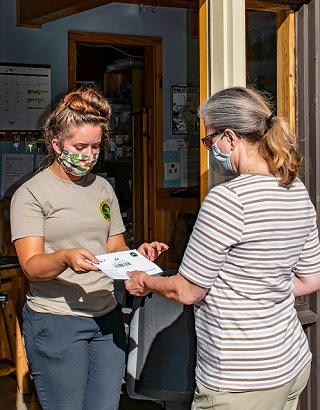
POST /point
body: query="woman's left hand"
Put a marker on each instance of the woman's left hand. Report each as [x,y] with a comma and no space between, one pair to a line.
[152,250]
[135,285]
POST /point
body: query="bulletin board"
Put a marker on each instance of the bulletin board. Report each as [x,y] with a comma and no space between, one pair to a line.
[17,164]
[25,101]
[25,96]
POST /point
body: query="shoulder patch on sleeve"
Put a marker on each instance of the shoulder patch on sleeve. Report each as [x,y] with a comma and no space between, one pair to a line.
[105,210]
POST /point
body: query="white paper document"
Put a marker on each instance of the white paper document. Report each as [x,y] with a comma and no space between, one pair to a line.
[16,169]
[116,264]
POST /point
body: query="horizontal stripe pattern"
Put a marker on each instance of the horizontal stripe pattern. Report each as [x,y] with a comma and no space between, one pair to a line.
[250,238]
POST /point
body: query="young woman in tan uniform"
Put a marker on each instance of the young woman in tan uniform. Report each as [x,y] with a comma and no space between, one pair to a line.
[60,219]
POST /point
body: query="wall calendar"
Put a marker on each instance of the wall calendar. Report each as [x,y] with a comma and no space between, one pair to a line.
[25,96]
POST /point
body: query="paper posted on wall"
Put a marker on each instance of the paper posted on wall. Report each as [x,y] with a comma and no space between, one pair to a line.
[116,264]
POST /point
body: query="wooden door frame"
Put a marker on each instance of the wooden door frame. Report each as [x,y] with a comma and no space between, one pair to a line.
[285,68]
[153,100]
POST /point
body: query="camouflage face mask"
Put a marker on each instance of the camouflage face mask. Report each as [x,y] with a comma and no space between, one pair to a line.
[78,164]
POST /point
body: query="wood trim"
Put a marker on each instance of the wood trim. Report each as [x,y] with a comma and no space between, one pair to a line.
[286,67]
[188,206]
[105,38]
[303,96]
[145,176]
[72,62]
[185,4]
[267,6]
[160,235]
[140,211]
[6,273]
[203,53]
[19,20]
[156,143]
[167,203]
[35,13]
[32,13]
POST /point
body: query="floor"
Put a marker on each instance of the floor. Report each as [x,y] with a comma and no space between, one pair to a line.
[11,399]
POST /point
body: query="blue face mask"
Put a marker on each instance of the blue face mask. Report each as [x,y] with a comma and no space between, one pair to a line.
[221,162]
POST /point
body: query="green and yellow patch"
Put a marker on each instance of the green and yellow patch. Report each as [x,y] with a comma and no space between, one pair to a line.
[105,210]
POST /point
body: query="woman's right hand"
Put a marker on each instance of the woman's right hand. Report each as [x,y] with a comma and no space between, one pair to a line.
[38,265]
[79,259]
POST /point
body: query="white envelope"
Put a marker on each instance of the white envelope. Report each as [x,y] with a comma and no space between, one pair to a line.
[116,264]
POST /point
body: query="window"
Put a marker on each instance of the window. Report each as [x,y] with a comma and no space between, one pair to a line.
[261,51]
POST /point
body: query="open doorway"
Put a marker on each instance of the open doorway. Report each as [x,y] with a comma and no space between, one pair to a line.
[127,70]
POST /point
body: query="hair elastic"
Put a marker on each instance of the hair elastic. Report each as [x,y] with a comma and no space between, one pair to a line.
[269,119]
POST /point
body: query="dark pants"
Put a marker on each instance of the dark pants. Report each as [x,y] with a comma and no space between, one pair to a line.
[77,362]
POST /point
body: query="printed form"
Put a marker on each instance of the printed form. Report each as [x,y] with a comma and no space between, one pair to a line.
[116,264]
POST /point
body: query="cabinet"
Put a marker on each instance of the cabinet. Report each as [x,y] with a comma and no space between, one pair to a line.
[124,90]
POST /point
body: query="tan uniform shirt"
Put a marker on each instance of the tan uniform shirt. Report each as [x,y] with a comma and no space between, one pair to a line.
[68,215]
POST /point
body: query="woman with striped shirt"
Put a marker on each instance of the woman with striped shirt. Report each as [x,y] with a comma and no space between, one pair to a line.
[253,248]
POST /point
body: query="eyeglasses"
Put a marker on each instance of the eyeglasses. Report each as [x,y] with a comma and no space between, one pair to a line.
[207,140]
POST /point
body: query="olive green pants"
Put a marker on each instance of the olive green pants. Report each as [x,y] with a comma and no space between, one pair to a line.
[282,398]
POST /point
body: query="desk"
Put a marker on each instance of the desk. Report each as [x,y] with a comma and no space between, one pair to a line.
[12,291]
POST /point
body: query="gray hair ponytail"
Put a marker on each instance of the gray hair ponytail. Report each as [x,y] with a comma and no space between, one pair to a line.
[248,114]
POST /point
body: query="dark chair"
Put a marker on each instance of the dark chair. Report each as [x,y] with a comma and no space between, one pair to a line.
[162,352]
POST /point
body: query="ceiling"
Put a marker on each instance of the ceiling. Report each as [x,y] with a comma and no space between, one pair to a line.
[34,13]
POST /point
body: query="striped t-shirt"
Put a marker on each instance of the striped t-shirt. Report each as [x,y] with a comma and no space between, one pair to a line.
[250,237]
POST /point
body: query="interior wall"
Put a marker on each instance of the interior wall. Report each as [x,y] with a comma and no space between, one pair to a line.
[49,45]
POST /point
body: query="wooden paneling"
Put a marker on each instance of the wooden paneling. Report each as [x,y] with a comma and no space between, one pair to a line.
[275,6]
[178,204]
[174,229]
[308,95]
[308,132]
[286,67]
[14,285]
[34,12]
[5,232]
[203,51]
[175,218]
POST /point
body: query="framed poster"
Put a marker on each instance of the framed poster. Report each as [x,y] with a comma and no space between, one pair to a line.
[184,109]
